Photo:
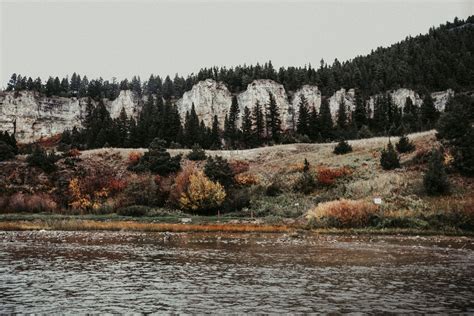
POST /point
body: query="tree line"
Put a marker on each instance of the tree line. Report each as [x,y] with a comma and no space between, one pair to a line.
[435,61]
[254,127]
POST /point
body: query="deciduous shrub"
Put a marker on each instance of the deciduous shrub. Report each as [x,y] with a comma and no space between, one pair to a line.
[404,145]
[142,190]
[6,151]
[134,158]
[246,179]
[436,179]
[238,166]
[202,195]
[342,148]
[328,176]
[343,214]
[236,200]
[181,183]
[31,203]
[218,169]
[389,159]
[196,153]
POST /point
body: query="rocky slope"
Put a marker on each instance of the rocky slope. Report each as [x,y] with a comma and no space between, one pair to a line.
[37,116]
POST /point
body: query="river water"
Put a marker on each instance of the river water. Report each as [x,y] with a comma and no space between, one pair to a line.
[120,272]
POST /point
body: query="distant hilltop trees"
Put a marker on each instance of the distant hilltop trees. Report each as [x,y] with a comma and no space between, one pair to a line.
[435,61]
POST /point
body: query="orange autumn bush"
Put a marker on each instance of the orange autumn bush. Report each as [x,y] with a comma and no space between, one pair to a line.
[202,194]
[181,183]
[246,179]
[134,158]
[343,213]
[328,176]
[238,166]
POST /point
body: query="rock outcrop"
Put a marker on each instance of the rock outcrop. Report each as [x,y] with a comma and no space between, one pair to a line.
[33,116]
[259,90]
[348,96]
[210,98]
[440,98]
[312,96]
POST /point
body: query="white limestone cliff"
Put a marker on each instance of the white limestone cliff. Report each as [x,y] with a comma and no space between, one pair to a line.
[36,116]
[210,98]
[259,90]
[312,96]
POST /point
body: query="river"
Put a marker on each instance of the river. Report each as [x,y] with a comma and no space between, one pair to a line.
[122,272]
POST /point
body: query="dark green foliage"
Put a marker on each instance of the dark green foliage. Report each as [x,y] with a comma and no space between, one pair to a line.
[428,113]
[236,199]
[158,160]
[306,182]
[218,169]
[247,134]
[215,138]
[191,128]
[342,148]
[273,121]
[436,179]
[389,159]
[325,121]
[197,153]
[10,140]
[455,129]
[6,151]
[42,159]
[303,123]
[231,131]
[258,124]
[342,119]
[274,189]
[404,145]
[365,132]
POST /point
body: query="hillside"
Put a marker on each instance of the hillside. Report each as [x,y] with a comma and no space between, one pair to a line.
[265,189]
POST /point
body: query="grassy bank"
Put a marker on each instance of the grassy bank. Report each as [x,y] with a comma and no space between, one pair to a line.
[10,222]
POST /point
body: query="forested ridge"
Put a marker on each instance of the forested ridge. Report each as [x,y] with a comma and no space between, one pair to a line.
[441,59]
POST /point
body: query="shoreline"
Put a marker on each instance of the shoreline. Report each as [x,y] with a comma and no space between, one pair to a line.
[36,222]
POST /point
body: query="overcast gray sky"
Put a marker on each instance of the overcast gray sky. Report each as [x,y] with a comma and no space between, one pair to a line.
[121,39]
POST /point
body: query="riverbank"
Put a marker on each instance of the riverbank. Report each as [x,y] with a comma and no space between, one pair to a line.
[55,222]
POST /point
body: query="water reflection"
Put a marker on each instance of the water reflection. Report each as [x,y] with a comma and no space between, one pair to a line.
[46,272]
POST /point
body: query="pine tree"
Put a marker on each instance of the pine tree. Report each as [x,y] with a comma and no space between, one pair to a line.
[168,89]
[436,179]
[360,115]
[429,113]
[302,126]
[231,130]
[325,120]
[215,137]
[247,134]
[273,119]
[313,125]
[258,124]
[191,128]
[342,115]
[389,159]
[404,145]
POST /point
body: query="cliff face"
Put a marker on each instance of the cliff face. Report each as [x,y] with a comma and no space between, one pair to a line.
[210,98]
[38,116]
[259,90]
